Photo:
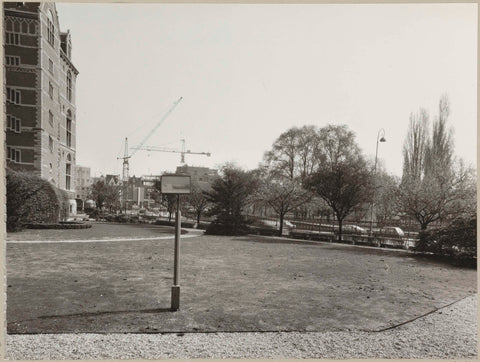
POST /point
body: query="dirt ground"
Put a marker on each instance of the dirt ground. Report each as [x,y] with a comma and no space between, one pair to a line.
[227,284]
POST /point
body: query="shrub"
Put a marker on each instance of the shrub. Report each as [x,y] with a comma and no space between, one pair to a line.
[185,224]
[61,225]
[165,223]
[263,231]
[226,224]
[30,199]
[458,240]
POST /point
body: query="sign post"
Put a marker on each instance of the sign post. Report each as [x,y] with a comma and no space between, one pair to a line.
[176,184]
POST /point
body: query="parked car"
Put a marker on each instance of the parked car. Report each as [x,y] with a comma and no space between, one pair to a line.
[391,231]
[272,224]
[353,229]
[275,223]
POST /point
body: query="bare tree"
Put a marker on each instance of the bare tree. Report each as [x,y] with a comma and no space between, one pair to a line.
[439,153]
[386,187]
[282,195]
[197,199]
[337,145]
[343,187]
[342,179]
[415,145]
[433,198]
[294,153]
[105,195]
[169,201]
[434,186]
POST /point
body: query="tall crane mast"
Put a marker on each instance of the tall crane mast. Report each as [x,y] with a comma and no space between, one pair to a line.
[126,156]
[182,152]
[125,162]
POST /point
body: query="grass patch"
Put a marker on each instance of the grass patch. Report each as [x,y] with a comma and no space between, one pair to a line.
[227,284]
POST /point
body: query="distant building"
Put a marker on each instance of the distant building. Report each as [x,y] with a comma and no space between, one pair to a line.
[146,192]
[82,183]
[39,90]
[198,174]
[112,180]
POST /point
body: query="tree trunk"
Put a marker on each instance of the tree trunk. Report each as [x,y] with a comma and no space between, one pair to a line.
[280,232]
[198,218]
[340,221]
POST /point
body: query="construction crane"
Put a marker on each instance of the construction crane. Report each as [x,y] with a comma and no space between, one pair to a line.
[182,152]
[126,156]
[125,162]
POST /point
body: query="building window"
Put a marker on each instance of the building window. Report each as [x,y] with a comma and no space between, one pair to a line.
[14,96]
[68,176]
[50,29]
[50,118]
[50,144]
[69,130]
[68,173]
[50,90]
[50,65]
[12,38]
[14,124]
[12,60]
[14,155]
[69,86]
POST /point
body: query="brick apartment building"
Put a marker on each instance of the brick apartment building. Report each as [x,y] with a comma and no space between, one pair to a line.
[39,90]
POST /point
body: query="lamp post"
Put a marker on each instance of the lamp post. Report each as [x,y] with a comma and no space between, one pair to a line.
[379,139]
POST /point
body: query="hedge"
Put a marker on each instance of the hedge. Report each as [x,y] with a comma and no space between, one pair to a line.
[61,225]
[457,241]
[30,199]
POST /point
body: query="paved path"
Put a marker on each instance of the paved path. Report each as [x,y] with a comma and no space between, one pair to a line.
[450,332]
[184,236]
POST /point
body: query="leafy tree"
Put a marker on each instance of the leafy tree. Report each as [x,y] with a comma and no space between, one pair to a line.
[343,179]
[229,196]
[97,194]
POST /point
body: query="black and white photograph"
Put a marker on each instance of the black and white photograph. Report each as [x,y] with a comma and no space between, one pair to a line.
[240,180]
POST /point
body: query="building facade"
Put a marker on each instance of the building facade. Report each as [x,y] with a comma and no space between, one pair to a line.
[82,183]
[39,91]
[198,174]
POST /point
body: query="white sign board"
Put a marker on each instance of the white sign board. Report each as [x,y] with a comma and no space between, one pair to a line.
[176,184]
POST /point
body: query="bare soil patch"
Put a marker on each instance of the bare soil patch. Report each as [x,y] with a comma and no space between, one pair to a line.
[227,284]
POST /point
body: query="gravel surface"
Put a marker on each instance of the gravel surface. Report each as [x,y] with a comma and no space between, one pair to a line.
[450,332]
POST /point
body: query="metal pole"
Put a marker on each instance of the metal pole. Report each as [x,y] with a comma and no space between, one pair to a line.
[373,202]
[176,287]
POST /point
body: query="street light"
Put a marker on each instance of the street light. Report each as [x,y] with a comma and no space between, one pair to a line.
[379,139]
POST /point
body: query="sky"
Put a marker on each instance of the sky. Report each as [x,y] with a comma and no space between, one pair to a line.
[249,72]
